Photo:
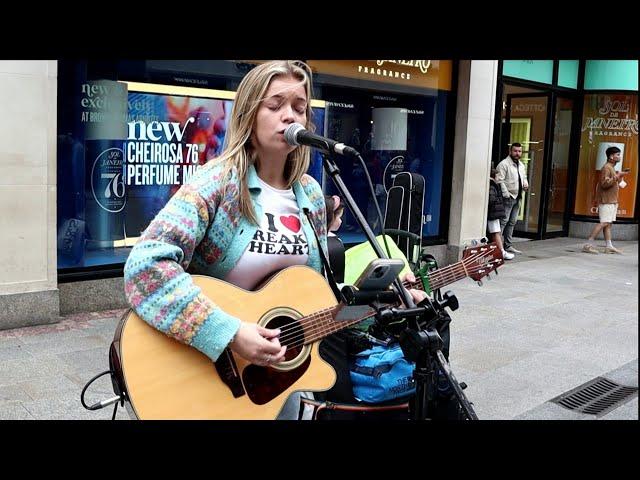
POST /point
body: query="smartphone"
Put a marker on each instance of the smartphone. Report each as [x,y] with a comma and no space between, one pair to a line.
[379,274]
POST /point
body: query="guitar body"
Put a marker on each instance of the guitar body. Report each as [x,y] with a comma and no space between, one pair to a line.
[166,379]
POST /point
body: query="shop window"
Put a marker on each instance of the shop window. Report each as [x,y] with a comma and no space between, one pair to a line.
[134,146]
[608,120]
[394,133]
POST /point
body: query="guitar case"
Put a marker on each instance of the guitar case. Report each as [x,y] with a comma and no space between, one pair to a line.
[403,219]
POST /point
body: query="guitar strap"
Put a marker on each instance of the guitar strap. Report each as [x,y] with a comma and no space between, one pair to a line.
[325,262]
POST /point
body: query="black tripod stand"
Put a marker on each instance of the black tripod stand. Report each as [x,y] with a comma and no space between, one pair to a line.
[420,341]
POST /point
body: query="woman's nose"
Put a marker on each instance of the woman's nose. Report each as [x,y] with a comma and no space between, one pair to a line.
[288,114]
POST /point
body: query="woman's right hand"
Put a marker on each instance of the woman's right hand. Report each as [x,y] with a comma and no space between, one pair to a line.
[257,344]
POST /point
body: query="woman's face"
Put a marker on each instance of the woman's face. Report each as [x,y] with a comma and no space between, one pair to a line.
[285,103]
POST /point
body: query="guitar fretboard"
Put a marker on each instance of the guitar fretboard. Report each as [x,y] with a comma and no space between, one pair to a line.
[441,277]
[322,323]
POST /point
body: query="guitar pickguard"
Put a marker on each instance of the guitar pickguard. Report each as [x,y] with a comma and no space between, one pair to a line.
[263,384]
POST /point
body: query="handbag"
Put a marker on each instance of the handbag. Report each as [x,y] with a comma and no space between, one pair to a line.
[381,373]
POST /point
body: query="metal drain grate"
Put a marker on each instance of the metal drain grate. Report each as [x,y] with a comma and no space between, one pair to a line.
[596,397]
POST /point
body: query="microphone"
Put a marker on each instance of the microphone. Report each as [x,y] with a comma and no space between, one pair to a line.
[296,135]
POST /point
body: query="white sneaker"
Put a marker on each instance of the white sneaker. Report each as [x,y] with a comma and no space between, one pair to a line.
[507,256]
[512,249]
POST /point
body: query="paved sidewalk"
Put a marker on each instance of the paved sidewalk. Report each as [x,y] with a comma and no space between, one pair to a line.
[553,319]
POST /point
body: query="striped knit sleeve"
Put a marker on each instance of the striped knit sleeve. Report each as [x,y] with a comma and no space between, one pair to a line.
[157,286]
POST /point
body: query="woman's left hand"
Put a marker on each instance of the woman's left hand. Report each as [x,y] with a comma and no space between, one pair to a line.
[417,295]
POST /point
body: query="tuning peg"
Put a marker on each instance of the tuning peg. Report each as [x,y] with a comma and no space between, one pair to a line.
[488,277]
[479,283]
[496,272]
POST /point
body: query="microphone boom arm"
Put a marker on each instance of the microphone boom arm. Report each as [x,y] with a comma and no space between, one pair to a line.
[334,172]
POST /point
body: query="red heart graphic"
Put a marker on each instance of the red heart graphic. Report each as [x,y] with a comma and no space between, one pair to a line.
[291,222]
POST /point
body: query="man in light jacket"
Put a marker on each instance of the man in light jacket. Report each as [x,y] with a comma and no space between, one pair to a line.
[511,175]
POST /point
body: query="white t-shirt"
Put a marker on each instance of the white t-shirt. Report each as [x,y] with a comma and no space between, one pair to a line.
[278,243]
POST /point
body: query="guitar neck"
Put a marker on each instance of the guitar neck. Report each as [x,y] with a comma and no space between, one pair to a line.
[323,323]
[441,277]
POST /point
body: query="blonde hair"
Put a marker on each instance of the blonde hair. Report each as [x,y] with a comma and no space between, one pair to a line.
[238,150]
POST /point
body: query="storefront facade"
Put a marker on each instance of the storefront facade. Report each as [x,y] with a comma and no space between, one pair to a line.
[130,133]
[566,113]
[93,149]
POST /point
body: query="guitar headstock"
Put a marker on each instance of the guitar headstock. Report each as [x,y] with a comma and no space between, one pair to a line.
[482,259]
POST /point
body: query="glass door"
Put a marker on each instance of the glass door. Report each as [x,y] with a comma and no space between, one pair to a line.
[526,122]
[559,165]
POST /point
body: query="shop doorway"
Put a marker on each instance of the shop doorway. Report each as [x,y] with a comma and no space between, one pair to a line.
[540,121]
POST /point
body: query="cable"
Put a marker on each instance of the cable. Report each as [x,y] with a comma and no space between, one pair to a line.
[375,202]
[102,404]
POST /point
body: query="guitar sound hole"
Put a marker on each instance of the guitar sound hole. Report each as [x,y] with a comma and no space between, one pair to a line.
[291,335]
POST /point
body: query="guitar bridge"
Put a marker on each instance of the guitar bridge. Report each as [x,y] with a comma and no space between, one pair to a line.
[228,371]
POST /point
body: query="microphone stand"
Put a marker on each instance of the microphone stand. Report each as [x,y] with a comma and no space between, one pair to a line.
[422,344]
[334,172]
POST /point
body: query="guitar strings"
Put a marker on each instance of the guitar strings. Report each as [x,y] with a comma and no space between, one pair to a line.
[295,332]
[292,330]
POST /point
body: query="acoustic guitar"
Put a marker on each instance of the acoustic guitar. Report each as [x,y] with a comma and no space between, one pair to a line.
[165,379]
